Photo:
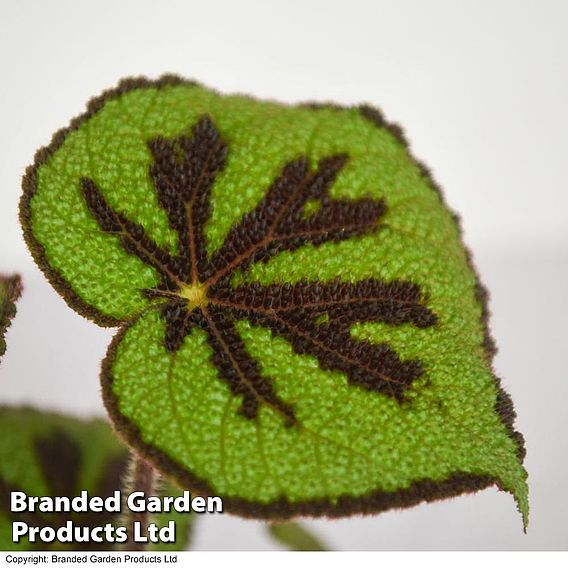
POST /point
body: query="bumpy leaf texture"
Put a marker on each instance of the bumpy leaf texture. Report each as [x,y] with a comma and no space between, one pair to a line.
[301,329]
[45,454]
[10,291]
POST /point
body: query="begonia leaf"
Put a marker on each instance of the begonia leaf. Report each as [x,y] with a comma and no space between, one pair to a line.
[301,329]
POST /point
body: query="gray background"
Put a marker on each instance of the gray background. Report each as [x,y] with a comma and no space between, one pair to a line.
[481,88]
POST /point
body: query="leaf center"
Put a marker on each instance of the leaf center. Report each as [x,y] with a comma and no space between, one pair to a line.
[195,294]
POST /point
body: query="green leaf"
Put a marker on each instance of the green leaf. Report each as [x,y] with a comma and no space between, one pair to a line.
[294,537]
[302,331]
[10,291]
[45,454]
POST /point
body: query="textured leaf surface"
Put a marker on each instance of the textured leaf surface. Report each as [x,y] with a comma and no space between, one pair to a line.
[47,454]
[10,290]
[301,329]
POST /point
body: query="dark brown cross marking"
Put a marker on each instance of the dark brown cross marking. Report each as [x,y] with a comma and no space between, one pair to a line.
[195,290]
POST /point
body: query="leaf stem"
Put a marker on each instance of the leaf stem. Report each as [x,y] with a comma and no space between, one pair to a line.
[294,536]
[141,477]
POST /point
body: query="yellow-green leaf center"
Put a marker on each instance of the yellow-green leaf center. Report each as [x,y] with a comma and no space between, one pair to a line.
[195,294]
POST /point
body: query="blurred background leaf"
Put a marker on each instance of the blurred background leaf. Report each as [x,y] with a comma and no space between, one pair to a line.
[10,291]
[47,454]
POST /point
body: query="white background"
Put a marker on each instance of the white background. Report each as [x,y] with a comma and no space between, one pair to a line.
[482,91]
